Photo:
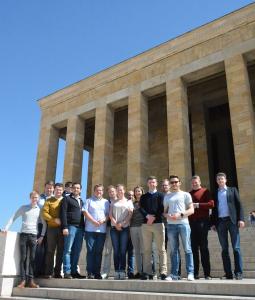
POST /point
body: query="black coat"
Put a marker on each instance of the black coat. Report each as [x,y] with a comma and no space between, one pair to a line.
[70,212]
[234,205]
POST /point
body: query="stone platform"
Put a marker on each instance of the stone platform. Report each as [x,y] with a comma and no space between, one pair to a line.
[137,290]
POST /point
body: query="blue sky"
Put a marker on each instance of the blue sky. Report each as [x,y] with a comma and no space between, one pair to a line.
[46,45]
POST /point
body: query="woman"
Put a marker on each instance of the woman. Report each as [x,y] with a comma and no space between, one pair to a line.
[136,230]
[120,213]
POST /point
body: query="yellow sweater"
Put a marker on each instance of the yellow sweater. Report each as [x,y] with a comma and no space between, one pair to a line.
[51,210]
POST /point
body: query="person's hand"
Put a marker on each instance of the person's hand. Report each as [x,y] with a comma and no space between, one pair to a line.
[39,241]
[196,205]
[57,221]
[241,224]
[150,219]
[213,227]
[118,226]
[101,221]
[175,216]
[65,231]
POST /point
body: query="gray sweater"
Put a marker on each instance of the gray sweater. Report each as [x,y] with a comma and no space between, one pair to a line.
[30,218]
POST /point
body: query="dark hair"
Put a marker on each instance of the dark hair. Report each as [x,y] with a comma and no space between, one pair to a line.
[195,177]
[97,186]
[59,185]
[49,182]
[174,176]
[221,174]
[75,183]
[68,184]
[151,178]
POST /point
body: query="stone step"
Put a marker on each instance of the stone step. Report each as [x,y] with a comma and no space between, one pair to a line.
[23,298]
[78,294]
[245,287]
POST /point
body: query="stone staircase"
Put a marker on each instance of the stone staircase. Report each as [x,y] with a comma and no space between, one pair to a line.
[155,289]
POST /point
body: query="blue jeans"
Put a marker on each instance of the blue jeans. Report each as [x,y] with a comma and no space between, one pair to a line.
[119,244]
[174,231]
[72,249]
[95,246]
[223,228]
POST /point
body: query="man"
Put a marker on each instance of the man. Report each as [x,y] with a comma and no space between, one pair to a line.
[153,228]
[228,217]
[165,188]
[96,211]
[130,249]
[50,213]
[108,241]
[28,238]
[177,207]
[199,224]
[41,249]
[72,222]
[68,188]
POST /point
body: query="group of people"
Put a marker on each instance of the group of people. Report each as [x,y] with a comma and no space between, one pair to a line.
[137,227]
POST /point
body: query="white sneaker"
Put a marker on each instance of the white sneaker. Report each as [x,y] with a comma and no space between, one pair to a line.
[191,277]
[116,275]
[122,275]
[104,276]
[169,278]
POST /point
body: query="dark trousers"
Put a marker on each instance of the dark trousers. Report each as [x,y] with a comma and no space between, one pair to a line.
[199,243]
[27,244]
[55,242]
[119,244]
[131,257]
[40,254]
[95,246]
[224,227]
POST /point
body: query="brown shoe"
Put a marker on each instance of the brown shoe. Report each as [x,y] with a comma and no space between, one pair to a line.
[22,284]
[32,284]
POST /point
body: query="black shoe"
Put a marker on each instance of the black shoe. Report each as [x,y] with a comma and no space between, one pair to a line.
[151,277]
[144,276]
[68,276]
[98,276]
[208,277]
[90,276]
[131,276]
[238,276]
[196,277]
[78,276]
[224,277]
[163,276]
[58,276]
[137,275]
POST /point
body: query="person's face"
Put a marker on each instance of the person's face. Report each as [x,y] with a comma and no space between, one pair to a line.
[165,186]
[49,189]
[221,181]
[175,184]
[99,192]
[112,193]
[76,190]
[68,189]
[130,195]
[120,192]
[58,191]
[152,184]
[195,184]
[138,193]
[34,199]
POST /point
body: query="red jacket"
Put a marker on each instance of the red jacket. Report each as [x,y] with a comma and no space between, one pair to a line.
[203,197]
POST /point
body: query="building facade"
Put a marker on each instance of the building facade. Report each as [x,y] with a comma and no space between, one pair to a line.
[184,107]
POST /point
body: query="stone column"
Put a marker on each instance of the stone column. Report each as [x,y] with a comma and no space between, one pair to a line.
[178,131]
[46,161]
[103,146]
[243,126]
[199,143]
[74,149]
[137,156]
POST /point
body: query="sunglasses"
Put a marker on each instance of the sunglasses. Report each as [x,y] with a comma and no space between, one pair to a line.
[173,182]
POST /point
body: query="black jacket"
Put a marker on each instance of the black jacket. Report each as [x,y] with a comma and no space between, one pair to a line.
[234,205]
[71,213]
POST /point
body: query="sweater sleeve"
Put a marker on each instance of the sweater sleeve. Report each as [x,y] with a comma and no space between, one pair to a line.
[17,214]
[63,213]
[208,202]
[141,208]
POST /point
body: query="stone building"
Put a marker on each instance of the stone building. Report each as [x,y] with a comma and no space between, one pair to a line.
[183,107]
